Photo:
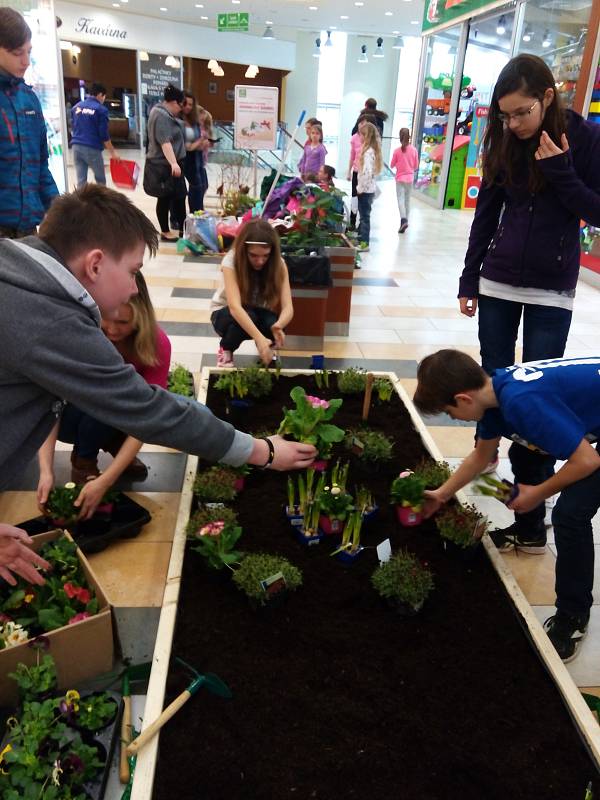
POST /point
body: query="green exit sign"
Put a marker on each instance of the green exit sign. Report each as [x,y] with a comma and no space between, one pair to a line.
[237,21]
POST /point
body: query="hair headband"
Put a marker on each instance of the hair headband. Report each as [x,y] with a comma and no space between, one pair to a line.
[266,244]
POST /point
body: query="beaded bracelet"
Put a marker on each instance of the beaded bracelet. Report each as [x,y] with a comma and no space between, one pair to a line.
[271,452]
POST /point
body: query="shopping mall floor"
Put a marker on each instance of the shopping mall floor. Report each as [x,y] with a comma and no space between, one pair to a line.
[404,306]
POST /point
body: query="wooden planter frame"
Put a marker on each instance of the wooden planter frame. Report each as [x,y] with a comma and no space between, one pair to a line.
[583,719]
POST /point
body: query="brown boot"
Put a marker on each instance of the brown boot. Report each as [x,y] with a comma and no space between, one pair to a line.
[83,468]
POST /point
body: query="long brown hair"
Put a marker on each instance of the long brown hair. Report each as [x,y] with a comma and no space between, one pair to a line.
[404,138]
[506,158]
[267,281]
[191,118]
[370,136]
[143,338]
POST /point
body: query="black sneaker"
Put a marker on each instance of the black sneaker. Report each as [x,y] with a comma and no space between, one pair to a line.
[566,633]
[514,537]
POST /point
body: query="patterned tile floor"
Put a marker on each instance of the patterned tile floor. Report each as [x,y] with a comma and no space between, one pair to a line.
[404,307]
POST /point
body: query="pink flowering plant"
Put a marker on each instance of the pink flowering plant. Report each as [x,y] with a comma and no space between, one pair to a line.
[407,490]
[309,421]
[215,542]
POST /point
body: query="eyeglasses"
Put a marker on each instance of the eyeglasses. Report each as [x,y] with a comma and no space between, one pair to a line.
[518,115]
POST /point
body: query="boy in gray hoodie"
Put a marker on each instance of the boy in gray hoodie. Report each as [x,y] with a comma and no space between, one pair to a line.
[53,289]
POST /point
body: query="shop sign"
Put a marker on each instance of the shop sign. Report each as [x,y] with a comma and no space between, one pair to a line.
[256,114]
[236,21]
[155,75]
[442,13]
[91,27]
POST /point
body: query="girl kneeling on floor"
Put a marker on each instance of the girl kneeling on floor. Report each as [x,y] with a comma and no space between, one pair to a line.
[136,335]
[254,300]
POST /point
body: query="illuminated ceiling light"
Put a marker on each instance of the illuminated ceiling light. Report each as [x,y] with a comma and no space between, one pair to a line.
[144,55]
[328,43]
[162,8]
[379,49]
[317,50]
[527,36]
[398,43]
[219,72]
[116,5]
[501,26]
[344,16]
[547,41]
[203,17]
[268,22]
[313,8]
[268,34]
[415,22]
[76,49]
[199,5]
[252,71]
[389,13]
[362,59]
[213,63]
[359,4]
[65,45]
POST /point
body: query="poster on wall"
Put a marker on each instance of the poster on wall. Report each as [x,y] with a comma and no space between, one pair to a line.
[155,75]
[45,77]
[256,113]
[439,14]
[473,173]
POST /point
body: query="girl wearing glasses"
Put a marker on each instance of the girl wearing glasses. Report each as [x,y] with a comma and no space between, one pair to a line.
[541,176]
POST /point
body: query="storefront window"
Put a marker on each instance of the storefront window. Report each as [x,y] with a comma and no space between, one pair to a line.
[556,32]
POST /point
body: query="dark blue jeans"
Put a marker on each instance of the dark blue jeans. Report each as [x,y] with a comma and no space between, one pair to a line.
[545,331]
[572,520]
[365,201]
[197,179]
[87,434]
[231,332]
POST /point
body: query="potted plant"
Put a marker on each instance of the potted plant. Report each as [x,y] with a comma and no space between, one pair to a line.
[181,381]
[384,389]
[322,379]
[352,380]
[215,485]
[406,492]
[369,445]
[335,505]
[207,514]
[434,473]
[215,542]
[365,503]
[462,526]
[305,494]
[502,490]
[350,547]
[62,512]
[403,582]
[309,422]
[251,381]
[262,577]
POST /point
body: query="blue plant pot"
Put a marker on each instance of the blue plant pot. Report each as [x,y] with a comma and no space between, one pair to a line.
[294,518]
[371,515]
[349,558]
[307,541]
[317,362]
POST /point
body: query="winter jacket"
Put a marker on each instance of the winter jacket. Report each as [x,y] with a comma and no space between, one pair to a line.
[58,353]
[380,118]
[532,240]
[26,186]
[90,123]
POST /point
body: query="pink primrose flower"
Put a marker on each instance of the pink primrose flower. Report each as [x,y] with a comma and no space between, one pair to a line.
[79,617]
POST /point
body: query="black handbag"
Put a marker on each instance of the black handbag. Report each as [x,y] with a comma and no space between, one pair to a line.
[159,182]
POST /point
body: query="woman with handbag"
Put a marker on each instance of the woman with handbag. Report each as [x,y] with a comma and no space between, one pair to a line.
[163,173]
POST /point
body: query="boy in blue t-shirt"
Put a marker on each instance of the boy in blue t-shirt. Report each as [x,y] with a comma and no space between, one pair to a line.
[552,407]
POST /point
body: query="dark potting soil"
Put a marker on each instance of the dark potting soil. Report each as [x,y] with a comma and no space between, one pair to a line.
[335,696]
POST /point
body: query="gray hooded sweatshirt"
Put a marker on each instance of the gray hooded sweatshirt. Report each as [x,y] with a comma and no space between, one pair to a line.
[52,351]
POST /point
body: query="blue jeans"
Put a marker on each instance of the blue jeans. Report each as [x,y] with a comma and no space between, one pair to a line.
[545,331]
[572,520]
[231,332]
[197,178]
[365,201]
[84,157]
[87,435]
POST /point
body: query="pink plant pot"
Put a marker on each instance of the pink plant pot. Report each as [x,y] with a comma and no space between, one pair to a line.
[320,465]
[408,516]
[239,484]
[331,526]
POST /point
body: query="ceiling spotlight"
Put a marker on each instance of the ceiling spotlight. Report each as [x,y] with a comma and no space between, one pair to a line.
[546,41]
[359,4]
[328,43]
[76,49]
[213,63]
[219,72]
[398,43]
[171,61]
[252,71]
[268,34]
[362,59]
[379,49]
[389,13]
[65,45]
[317,50]
[144,55]
[527,36]
[344,16]
[501,26]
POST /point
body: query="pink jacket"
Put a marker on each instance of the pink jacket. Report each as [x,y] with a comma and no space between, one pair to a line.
[406,163]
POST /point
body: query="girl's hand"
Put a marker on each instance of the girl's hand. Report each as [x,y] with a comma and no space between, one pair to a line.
[278,335]
[548,149]
[90,496]
[432,503]
[265,350]
[468,306]
[16,557]
[45,486]
[175,170]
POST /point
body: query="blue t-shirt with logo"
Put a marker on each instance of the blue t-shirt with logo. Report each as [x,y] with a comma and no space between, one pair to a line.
[546,405]
[90,123]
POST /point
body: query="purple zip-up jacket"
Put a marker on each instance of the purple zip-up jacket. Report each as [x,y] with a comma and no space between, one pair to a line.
[313,159]
[526,239]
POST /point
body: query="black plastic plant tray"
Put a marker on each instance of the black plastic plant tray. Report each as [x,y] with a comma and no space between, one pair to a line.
[93,535]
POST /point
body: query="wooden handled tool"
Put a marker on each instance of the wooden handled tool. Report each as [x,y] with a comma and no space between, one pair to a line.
[126,731]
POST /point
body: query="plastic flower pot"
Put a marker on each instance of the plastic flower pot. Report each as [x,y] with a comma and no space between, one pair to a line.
[331,526]
[408,517]
[370,516]
[317,362]
[320,465]
[347,557]
[308,540]
[295,518]
[239,484]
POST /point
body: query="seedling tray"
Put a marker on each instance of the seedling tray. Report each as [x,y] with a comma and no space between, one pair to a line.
[94,535]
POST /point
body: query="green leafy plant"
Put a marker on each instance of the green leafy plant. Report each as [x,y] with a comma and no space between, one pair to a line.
[351,535]
[39,679]
[215,542]
[60,504]
[403,578]
[407,490]
[364,501]
[237,201]
[308,422]
[352,380]
[251,381]
[316,214]
[181,381]
[464,525]
[322,379]
[376,446]
[384,389]
[96,711]
[334,502]
[207,514]
[257,567]
[492,487]
[215,485]
[434,473]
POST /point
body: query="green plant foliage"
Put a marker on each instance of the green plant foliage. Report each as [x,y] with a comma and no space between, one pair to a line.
[407,490]
[384,389]
[236,202]
[352,380]
[403,578]
[215,542]
[215,485]
[251,381]
[315,219]
[308,422]
[181,381]
[206,514]
[257,567]
[334,502]
[35,680]
[322,379]
[60,503]
[377,446]
[95,711]
[463,525]
[434,473]
[351,536]
[492,487]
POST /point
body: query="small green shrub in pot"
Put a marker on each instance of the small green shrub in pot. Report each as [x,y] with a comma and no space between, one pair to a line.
[257,567]
[434,473]
[383,388]
[376,446]
[403,579]
[407,490]
[352,380]
[216,485]
[463,525]
[181,381]
[252,382]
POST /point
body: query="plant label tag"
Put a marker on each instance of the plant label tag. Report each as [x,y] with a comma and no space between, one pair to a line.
[357,446]
[273,584]
[384,551]
[214,505]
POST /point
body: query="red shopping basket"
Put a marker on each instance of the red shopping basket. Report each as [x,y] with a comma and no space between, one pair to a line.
[124,173]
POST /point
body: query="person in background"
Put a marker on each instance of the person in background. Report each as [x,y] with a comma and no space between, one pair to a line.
[314,153]
[355,145]
[254,299]
[207,132]
[27,187]
[166,148]
[541,177]
[143,344]
[406,160]
[325,177]
[371,110]
[370,164]
[308,125]
[196,143]
[89,125]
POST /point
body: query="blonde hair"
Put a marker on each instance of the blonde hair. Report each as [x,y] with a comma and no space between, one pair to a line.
[143,338]
[206,121]
[267,281]
[370,136]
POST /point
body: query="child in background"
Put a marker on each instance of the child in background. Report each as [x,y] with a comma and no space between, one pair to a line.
[325,177]
[254,300]
[308,125]
[370,164]
[314,152]
[406,160]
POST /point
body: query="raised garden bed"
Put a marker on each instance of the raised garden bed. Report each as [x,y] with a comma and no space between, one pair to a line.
[336,696]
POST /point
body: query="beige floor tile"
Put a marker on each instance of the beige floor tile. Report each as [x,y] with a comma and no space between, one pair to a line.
[182,283]
[363,334]
[365,311]
[534,574]
[452,442]
[410,385]
[412,311]
[408,351]
[440,338]
[163,506]
[133,573]
[183,315]
[412,323]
